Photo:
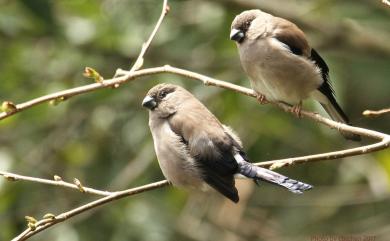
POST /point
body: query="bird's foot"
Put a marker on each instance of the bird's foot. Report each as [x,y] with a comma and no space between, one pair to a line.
[261,99]
[296,109]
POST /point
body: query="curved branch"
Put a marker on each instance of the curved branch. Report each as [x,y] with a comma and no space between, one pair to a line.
[128,76]
[46,223]
[383,144]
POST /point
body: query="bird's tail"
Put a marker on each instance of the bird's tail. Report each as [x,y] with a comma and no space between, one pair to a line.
[337,114]
[258,173]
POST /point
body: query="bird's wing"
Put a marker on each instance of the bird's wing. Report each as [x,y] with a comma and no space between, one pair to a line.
[289,34]
[331,106]
[209,145]
[326,87]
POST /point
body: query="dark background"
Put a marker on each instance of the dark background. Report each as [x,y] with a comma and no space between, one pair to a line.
[103,139]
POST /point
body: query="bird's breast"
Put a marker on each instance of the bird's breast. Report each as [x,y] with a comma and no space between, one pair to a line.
[173,157]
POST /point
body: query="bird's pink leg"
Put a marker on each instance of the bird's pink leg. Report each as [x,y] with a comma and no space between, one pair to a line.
[296,109]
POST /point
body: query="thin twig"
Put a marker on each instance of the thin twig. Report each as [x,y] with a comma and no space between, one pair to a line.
[140,59]
[376,113]
[16,177]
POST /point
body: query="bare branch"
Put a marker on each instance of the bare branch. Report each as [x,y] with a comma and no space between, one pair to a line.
[128,76]
[15,177]
[376,113]
[275,164]
[140,59]
[206,80]
[46,223]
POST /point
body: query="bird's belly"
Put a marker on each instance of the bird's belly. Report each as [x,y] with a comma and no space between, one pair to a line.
[175,163]
[282,76]
[290,86]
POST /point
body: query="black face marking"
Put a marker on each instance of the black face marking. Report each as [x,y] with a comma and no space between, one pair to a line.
[244,23]
[241,25]
[247,24]
[296,51]
[162,93]
[158,94]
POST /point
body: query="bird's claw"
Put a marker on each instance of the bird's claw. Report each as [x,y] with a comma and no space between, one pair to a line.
[261,99]
[296,109]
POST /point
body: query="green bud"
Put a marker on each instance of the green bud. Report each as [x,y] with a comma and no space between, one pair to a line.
[30,219]
[79,185]
[49,216]
[91,73]
[8,107]
[57,178]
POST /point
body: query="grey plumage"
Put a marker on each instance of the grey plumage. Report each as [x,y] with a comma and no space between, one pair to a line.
[281,65]
[194,149]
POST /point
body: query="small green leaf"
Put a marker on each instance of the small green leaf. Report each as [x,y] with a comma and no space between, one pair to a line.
[91,73]
[32,226]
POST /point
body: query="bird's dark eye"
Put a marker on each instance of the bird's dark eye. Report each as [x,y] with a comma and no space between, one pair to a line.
[247,24]
[162,94]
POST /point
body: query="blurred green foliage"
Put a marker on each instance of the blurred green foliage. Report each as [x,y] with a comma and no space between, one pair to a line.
[102,138]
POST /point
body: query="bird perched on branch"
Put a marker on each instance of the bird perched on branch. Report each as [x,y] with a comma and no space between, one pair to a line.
[282,66]
[195,150]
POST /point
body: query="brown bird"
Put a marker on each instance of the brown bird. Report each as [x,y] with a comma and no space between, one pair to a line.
[281,65]
[195,150]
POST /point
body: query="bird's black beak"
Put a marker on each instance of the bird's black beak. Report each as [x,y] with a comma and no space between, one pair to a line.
[149,102]
[237,35]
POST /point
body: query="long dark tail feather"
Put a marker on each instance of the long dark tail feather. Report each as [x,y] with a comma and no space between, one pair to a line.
[258,173]
[337,114]
[331,106]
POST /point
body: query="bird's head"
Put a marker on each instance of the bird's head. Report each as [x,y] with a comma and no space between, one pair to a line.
[244,25]
[163,99]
